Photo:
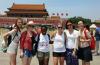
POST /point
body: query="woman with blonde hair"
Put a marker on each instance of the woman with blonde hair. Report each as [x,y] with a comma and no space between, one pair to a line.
[59,45]
[26,44]
[84,51]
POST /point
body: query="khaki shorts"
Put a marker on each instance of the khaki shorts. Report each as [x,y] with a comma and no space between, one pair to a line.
[43,55]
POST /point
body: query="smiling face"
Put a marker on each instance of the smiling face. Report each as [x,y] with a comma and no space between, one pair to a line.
[60,28]
[81,26]
[69,25]
[43,30]
[19,23]
[30,27]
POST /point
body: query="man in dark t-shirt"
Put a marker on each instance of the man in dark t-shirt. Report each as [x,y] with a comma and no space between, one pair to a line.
[97,35]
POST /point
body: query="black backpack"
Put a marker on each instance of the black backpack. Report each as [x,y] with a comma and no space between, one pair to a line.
[10,37]
[9,40]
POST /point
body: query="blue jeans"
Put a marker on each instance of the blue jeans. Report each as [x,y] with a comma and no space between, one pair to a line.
[70,59]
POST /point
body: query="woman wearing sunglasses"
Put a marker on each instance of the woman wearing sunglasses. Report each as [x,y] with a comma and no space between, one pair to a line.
[59,46]
[71,44]
[26,44]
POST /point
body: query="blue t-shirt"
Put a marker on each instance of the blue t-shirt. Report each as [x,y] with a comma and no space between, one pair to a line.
[97,35]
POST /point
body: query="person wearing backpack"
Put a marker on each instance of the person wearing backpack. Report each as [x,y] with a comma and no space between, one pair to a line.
[26,44]
[84,51]
[13,46]
[43,51]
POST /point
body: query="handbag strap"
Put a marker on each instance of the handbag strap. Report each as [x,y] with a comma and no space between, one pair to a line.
[86,35]
[14,36]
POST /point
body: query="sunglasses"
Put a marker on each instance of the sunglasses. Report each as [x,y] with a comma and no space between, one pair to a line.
[59,27]
[69,25]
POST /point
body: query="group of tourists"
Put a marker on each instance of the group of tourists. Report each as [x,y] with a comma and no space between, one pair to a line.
[68,44]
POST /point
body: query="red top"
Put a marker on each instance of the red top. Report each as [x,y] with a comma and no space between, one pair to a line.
[25,41]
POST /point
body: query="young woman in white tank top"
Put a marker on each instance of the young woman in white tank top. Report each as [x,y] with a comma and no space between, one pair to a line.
[59,43]
[59,46]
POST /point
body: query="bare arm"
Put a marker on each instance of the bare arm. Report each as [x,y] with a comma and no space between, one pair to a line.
[89,37]
[6,35]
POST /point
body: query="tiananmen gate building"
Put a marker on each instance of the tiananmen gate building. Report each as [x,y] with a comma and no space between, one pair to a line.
[27,10]
[34,12]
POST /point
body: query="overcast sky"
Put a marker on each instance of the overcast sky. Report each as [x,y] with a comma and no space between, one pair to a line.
[85,8]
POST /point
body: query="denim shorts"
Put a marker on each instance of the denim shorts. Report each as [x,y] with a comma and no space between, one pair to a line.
[28,53]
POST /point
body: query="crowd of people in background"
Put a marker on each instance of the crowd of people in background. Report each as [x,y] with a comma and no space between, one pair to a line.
[69,45]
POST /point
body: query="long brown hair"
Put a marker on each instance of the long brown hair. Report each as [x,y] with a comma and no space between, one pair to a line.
[16,26]
[69,21]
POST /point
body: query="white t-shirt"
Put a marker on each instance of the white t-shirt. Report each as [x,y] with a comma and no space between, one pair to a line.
[59,43]
[43,44]
[72,41]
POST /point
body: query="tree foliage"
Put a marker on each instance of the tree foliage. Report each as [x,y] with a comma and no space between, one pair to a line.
[75,20]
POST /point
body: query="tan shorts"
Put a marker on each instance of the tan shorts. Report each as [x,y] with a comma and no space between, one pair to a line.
[43,55]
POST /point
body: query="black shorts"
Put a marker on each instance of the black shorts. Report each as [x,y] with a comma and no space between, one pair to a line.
[85,54]
[58,54]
